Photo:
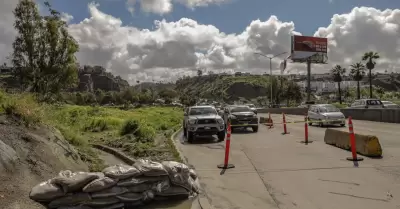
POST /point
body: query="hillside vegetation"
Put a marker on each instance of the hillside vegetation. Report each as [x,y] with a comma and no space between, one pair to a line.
[231,88]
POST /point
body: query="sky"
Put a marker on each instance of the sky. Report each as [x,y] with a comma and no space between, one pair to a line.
[165,39]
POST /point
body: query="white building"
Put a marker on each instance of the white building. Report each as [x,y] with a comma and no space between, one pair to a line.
[324,86]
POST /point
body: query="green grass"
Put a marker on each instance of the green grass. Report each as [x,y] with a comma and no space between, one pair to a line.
[142,132]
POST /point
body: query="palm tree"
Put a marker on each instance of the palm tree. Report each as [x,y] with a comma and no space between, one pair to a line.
[337,74]
[370,57]
[357,73]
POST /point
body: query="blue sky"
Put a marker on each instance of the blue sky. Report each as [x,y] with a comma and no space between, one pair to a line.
[232,17]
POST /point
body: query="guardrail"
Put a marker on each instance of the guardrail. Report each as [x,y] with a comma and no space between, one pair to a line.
[380,115]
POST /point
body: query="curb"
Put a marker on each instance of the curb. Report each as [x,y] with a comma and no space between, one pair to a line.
[201,201]
[180,155]
[128,160]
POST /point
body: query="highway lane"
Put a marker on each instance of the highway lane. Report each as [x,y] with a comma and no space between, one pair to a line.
[388,133]
[278,167]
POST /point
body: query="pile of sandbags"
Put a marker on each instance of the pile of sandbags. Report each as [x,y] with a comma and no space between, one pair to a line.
[119,186]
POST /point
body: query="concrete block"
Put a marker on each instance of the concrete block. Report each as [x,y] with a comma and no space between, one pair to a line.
[366,145]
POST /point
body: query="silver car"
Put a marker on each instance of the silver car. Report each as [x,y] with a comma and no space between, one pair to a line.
[203,121]
[325,114]
[390,105]
[367,103]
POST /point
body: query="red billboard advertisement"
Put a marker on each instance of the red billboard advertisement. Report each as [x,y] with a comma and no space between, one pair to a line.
[309,44]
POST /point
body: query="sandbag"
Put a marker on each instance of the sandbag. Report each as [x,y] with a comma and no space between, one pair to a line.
[70,200]
[113,206]
[75,207]
[148,195]
[195,184]
[110,192]
[150,168]
[131,205]
[74,182]
[140,187]
[174,190]
[140,180]
[100,184]
[161,186]
[121,172]
[102,202]
[130,197]
[46,192]
[179,173]
[193,174]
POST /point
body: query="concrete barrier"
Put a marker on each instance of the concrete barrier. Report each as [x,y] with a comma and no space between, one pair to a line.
[366,145]
[380,115]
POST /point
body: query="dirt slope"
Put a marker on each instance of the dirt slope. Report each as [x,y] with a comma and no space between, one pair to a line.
[30,156]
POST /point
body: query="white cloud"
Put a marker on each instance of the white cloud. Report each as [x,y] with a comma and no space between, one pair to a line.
[66,17]
[179,48]
[166,6]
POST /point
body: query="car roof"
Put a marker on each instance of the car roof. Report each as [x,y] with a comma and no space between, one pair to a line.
[202,106]
[232,106]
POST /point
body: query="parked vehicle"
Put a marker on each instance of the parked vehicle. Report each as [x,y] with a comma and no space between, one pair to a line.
[203,121]
[388,104]
[241,116]
[252,107]
[367,103]
[325,114]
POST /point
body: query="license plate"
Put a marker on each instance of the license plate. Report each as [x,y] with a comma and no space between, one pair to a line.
[207,128]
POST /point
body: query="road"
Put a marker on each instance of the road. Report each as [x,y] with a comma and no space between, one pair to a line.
[277,171]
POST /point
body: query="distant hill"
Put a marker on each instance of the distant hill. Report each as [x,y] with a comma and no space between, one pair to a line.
[233,88]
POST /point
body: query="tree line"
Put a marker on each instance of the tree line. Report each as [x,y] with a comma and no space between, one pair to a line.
[357,73]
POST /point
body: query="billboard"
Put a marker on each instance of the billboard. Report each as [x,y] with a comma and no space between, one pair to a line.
[304,47]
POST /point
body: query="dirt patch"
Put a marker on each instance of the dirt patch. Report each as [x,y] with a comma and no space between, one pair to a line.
[28,157]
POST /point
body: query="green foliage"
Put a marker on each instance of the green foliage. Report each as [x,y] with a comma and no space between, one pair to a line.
[44,52]
[229,88]
[23,107]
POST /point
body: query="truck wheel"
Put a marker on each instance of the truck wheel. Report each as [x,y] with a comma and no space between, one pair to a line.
[184,132]
[221,136]
[190,136]
[255,129]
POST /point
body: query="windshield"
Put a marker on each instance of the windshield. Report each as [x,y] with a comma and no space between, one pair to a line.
[329,108]
[374,102]
[241,109]
[386,102]
[202,111]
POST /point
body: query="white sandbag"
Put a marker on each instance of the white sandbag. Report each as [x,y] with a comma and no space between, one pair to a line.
[102,202]
[75,182]
[174,190]
[160,186]
[130,197]
[195,184]
[140,187]
[150,168]
[100,184]
[175,167]
[148,195]
[121,172]
[193,174]
[113,206]
[75,207]
[110,192]
[178,173]
[140,180]
[46,192]
[70,200]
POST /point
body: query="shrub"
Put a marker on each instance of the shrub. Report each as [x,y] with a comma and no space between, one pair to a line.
[130,127]
[25,108]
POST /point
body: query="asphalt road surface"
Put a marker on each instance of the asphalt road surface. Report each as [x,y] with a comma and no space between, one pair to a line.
[277,171]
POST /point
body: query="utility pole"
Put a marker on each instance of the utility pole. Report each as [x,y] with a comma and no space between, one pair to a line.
[270,69]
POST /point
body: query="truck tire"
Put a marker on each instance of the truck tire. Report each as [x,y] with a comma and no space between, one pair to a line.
[221,136]
[255,129]
[190,136]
